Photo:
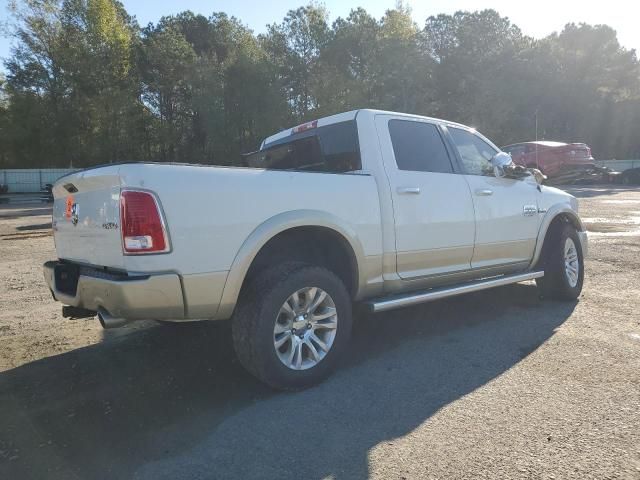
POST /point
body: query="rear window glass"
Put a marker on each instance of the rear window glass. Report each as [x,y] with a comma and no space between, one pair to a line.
[332,148]
[515,150]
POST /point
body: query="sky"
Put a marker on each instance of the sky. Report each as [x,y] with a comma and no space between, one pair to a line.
[536,18]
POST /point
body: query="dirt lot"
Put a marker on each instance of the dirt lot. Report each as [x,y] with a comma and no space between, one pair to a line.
[496,384]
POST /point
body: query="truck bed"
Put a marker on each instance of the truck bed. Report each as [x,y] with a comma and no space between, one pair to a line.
[210,211]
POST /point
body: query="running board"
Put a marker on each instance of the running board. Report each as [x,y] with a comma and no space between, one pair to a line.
[404,300]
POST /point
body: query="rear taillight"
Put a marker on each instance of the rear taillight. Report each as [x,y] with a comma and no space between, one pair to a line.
[143,229]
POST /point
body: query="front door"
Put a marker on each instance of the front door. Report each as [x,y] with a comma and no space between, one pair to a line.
[506,209]
[432,206]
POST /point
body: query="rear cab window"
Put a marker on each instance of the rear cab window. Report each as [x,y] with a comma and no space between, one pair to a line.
[515,150]
[418,147]
[331,148]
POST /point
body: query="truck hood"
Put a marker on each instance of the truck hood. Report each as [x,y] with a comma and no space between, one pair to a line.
[551,196]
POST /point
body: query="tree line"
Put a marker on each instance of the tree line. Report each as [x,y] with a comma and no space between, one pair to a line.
[86,84]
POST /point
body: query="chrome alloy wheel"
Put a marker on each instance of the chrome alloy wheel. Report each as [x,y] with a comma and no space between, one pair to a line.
[571,262]
[305,328]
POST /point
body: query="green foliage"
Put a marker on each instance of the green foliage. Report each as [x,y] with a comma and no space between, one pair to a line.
[86,85]
[295,46]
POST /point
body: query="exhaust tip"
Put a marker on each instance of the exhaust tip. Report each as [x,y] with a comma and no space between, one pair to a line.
[107,321]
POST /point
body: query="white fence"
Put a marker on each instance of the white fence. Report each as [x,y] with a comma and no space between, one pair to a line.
[619,165]
[31,180]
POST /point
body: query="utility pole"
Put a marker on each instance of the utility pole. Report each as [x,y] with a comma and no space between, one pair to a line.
[536,115]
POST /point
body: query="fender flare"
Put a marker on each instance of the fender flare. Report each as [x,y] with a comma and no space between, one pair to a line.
[267,230]
[551,214]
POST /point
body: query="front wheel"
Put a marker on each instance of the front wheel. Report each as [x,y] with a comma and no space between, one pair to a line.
[563,264]
[292,324]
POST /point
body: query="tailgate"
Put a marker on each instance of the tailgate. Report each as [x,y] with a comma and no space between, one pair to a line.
[86,217]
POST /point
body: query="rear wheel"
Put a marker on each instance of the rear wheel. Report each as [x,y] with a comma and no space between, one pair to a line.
[292,325]
[563,265]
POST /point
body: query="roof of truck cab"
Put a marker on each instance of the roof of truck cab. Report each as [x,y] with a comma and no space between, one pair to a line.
[351,115]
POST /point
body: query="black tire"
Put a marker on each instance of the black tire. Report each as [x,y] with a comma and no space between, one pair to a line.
[256,313]
[555,283]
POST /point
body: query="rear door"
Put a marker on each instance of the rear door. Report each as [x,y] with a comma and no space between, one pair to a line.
[86,217]
[506,209]
[432,206]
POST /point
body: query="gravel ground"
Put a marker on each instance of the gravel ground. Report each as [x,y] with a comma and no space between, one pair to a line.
[497,384]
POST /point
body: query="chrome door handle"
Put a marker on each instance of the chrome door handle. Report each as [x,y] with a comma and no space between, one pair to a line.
[408,190]
[484,192]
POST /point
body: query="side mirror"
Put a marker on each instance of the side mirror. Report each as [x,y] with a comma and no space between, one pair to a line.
[500,161]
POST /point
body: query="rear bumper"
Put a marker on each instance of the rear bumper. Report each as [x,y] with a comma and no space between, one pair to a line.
[157,297]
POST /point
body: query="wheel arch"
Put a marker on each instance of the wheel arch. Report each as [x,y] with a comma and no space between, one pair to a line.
[555,216]
[273,229]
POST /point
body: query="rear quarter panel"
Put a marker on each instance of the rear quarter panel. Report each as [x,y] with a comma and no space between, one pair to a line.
[211,211]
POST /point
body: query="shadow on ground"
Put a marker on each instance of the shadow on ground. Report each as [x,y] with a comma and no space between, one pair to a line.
[35,226]
[172,402]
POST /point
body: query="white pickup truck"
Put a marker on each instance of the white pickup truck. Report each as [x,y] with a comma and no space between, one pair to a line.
[380,208]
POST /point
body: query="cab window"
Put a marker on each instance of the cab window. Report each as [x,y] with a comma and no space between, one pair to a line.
[333,148]
[418,147]
[474,152]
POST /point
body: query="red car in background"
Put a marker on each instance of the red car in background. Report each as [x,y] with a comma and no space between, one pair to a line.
[560,162]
